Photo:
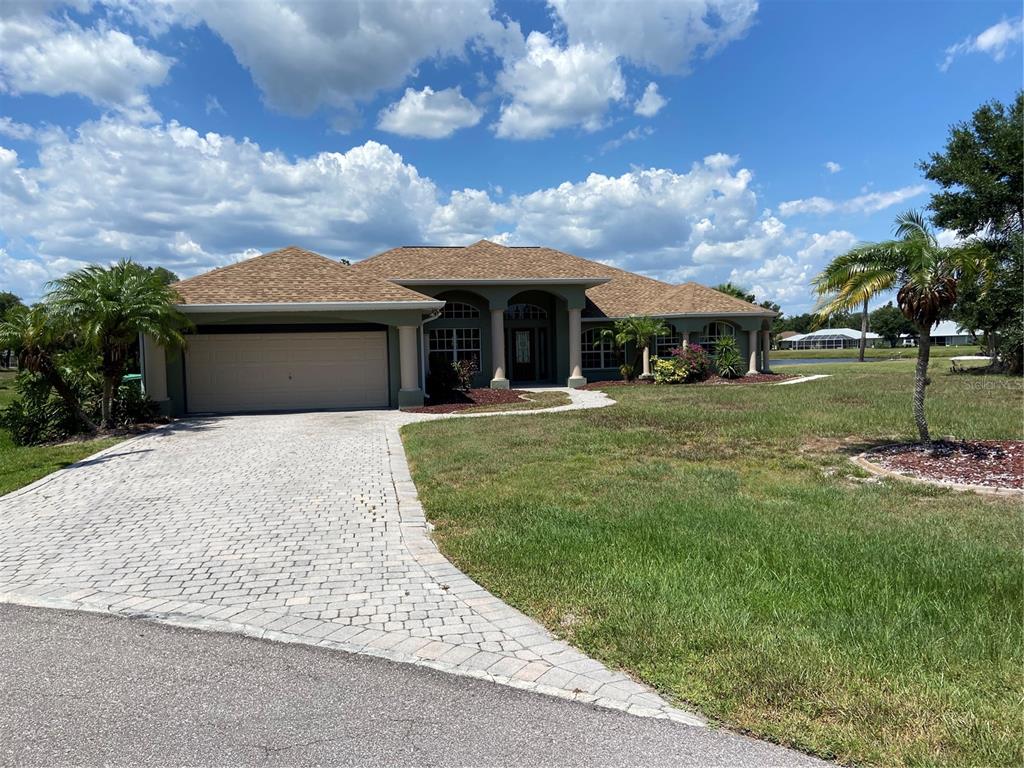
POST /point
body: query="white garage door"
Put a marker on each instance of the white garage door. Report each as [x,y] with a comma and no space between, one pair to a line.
[286,371]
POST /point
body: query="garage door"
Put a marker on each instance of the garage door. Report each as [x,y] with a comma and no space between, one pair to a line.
[286,371]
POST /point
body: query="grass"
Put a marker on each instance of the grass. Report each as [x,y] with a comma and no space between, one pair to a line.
[21,465]
[716,542]
[536,400]
[898,353]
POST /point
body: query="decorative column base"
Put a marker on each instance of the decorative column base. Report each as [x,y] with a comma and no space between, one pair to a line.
[575,382]
[410,398]
[499,383]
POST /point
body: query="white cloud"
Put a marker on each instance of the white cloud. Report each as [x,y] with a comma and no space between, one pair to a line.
[305,55]
[666,35]
[213,106]
[633,134]
[833,167]
[15,130]
[430,114]
[169,195]
[550,87]
[166,194]
[996,41]
[785,278]
[871,202]
[651,102]
[54,56]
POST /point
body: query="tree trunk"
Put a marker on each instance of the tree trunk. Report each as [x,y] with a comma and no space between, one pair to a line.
[863,332]
[920,382]
[107,415]
[67,394]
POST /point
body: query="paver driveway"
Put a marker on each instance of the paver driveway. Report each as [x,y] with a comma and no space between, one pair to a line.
[296,527]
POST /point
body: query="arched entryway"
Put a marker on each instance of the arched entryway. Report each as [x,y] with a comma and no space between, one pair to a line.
[529,338]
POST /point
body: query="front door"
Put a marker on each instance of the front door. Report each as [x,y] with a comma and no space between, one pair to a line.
[523,354]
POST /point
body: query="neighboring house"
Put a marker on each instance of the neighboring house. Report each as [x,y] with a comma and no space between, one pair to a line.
[293,330]
[945,333]
[827,338]
[783,336]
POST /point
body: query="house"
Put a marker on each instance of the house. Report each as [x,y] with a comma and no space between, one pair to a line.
[827,338]
[945,333]
[293,330]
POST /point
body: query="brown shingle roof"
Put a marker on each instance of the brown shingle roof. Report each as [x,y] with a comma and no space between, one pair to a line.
[482,260]
[290,275]
[624,293]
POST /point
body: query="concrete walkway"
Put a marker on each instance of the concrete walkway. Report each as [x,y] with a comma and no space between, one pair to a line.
[302,528]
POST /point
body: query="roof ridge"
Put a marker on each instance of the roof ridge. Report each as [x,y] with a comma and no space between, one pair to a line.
[742,302]
[251,259]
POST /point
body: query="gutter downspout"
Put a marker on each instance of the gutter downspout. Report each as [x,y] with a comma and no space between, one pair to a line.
[423,350]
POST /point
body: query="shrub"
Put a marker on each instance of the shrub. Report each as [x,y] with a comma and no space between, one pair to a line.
[668,370]
[728,363]
[38,415]
[445,379]
[1011,350]
[695,360]
[626,371]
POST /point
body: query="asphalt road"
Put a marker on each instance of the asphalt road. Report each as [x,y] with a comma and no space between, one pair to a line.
[88,689]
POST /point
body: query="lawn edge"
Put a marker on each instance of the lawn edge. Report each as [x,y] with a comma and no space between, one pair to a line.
[91,457]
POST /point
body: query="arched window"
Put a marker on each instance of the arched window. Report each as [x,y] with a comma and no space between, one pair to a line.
[713,332]
[458,310]
[599,351]
[525,312]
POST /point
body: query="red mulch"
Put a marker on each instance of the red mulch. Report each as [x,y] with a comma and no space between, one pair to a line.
[757,378]
[995,463]
[459,401]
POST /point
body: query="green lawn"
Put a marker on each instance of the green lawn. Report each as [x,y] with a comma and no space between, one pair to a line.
[899,353]
[20,465]
[716,542]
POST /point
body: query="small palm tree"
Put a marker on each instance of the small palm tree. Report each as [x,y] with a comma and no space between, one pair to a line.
[638,331]
[38,340]
[925,275]
[110,307]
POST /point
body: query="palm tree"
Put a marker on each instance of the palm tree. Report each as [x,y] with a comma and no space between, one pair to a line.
[925,275]
[38,341]
[110,307]
[638,331]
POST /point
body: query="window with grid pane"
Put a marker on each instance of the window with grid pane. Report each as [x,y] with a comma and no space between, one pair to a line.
[663,345]
[459,310]
[713,332]
[599,351]
[525,312]
[451,344]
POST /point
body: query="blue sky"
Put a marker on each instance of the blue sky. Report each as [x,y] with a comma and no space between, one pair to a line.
[699,141]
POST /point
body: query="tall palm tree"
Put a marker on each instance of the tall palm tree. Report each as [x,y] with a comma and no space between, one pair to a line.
[38,341]
[925,275]
[110,307]
[639,331]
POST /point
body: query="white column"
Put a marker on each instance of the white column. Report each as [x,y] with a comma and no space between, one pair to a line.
[685,337]
[576,349]
[766,345]
[647,362]
[499,380]
[154,370]
[407,358]
[752,367]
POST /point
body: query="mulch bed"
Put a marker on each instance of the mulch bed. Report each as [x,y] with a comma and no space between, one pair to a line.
[460,401]
[994,463]
[757,378]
